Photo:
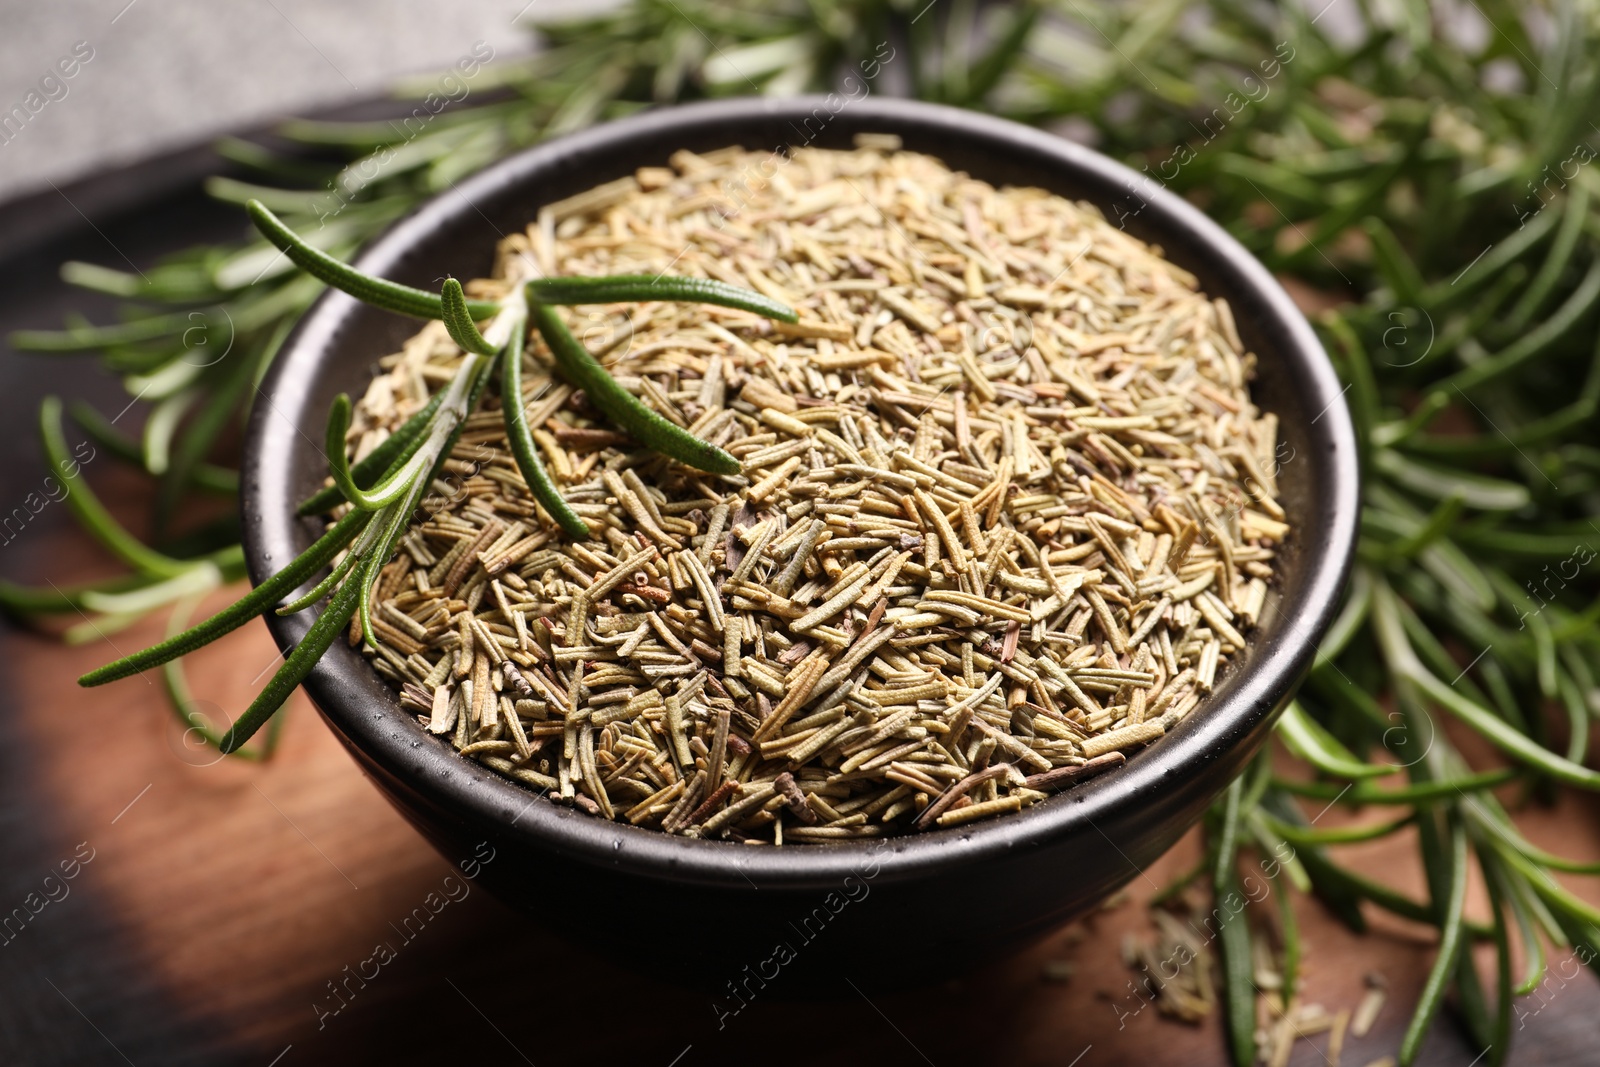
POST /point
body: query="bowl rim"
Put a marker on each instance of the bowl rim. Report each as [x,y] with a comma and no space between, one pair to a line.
[487,800]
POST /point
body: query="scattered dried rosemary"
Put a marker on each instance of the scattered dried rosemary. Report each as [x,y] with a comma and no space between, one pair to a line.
[1005,508]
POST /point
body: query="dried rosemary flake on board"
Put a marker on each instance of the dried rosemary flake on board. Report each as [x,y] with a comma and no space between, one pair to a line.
[998,486]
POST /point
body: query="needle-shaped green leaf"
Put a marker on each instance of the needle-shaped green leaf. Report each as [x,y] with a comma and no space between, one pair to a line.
[1449,945]
[458,320]
[648,427]
[1490,818]
[263,597]
[91,338]
[324,587]
[194,718]
[1336,835]
[1233,935]
[27,600]
[1514,890]
[1537,340]
[1309,740]
[90,513]
[1404,796]
[393,486]
[522,445]
[1289,924]
[635,288]
[328,626]
[391,296]
[1445,483]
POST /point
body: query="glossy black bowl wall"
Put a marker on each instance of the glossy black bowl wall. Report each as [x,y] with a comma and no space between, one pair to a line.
[935,903]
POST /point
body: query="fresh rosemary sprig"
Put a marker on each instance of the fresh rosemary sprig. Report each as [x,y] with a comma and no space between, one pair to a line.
[1439,194]
[381,512]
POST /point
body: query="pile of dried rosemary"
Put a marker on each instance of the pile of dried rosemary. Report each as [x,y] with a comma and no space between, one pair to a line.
[1006,508]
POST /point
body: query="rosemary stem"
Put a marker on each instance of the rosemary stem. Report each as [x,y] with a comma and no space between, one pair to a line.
[240,612]
[391,296]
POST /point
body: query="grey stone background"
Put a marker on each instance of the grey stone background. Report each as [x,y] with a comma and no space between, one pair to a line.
[168,72]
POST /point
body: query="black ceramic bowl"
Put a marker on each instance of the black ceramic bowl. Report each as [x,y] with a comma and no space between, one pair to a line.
[933,903]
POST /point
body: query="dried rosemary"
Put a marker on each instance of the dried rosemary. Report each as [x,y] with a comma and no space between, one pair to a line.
[1004,509]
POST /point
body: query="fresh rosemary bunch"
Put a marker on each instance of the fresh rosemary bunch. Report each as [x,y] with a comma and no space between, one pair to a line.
[1424,176]
[386,487]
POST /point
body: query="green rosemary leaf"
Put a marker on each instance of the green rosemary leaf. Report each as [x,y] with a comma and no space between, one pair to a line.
[289,201]
[359,136]
[369,567]
[86,507]
[1503,736]
[1512,890]
[1289,924]
[1309,740]
[1534,343]
[646,426]
[634,288]
[329,625]
[1401,274]
[391,296]
[397,447]
[1403,661]
[1573,221]
[1356,369]
[1342,835]
[98,279]
[1563,903]
[1233,936]
[393,485]
[1358,602]
[266,161]
[1439,523]
[195,721]
[1472,1003]
[1572,699]
[1443,483]
[458,320]
[1582,936]
[1535,431]
[1450,943]
[1499,825]
[1403,796]
[989,68]
[25,601]
[522,445]
[1341,895]
[93,338]
[324,587]
[1380,895]
[199,579]
[263,597]
[1496,1037]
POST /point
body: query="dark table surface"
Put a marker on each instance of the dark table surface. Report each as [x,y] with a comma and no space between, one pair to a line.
[217,907]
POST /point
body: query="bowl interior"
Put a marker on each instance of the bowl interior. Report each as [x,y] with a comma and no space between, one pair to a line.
[1168,782]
